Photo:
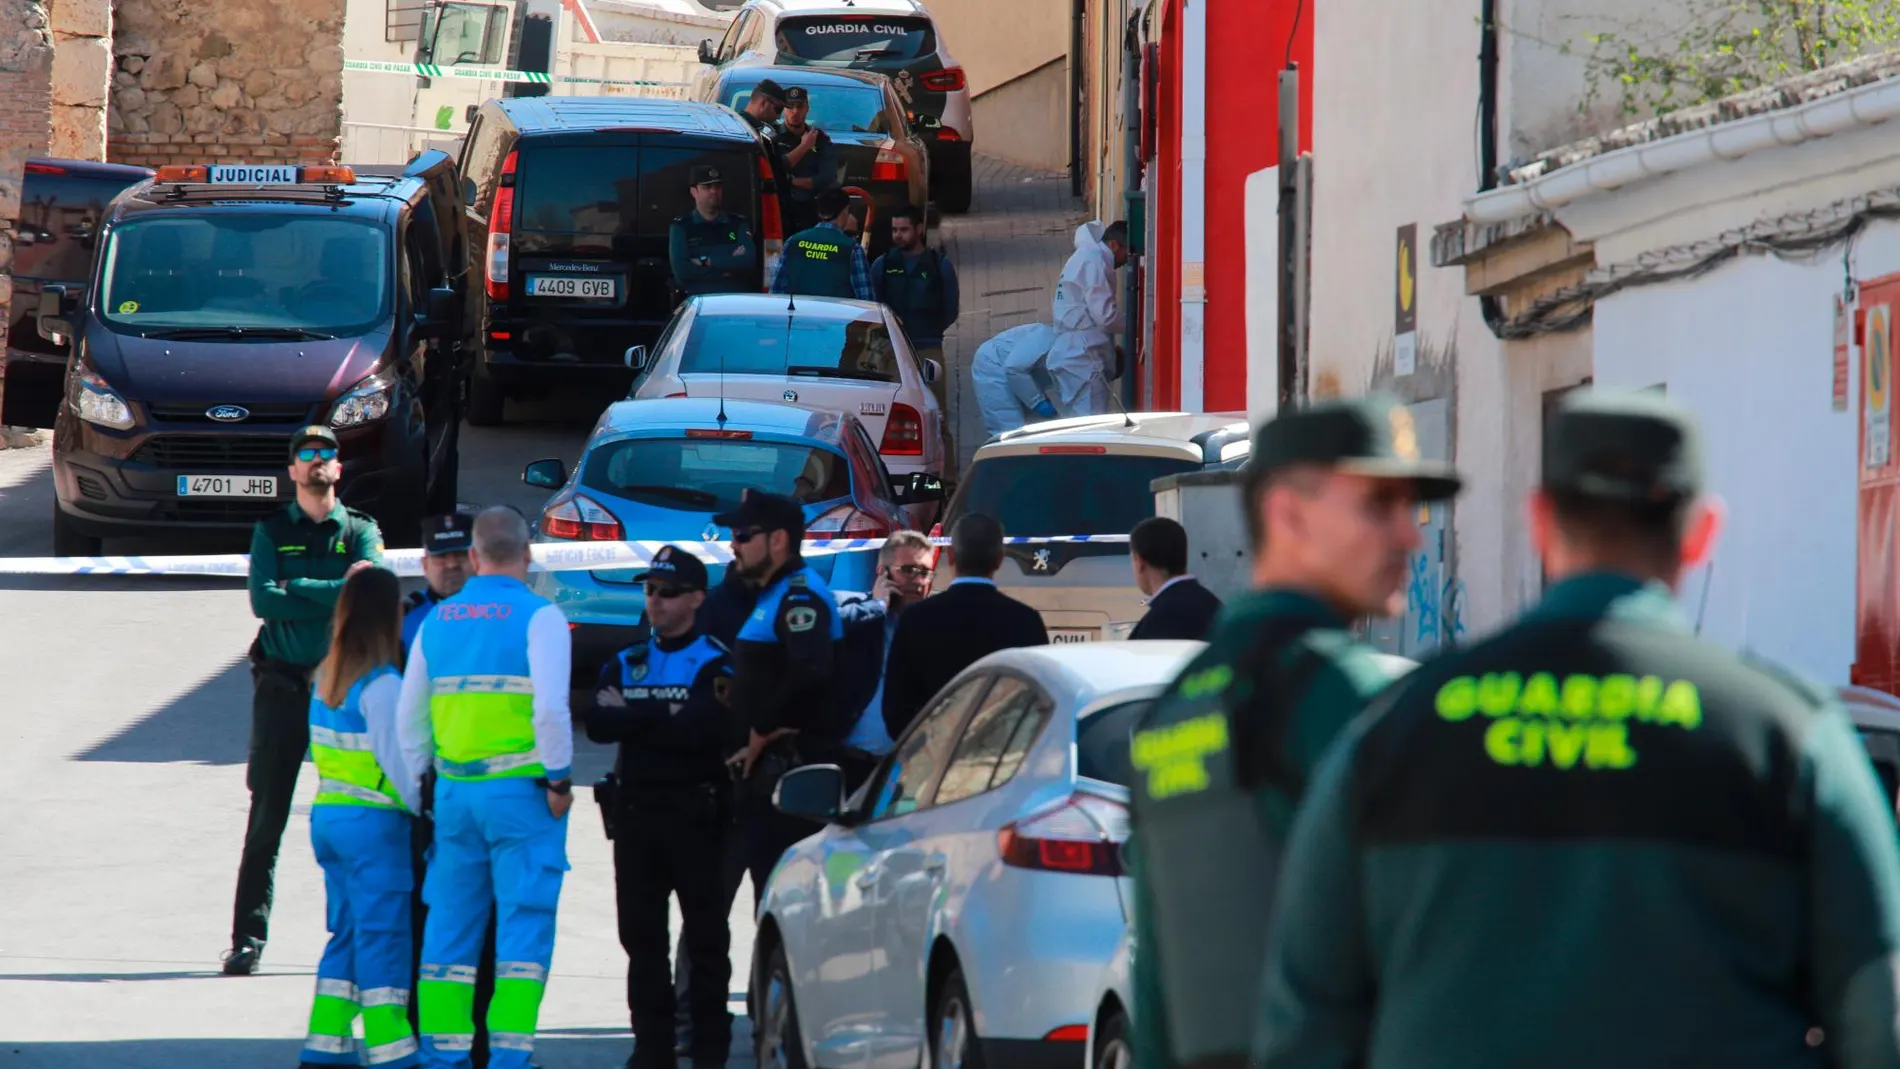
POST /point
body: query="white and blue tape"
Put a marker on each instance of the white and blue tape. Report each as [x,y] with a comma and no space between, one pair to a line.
[548,557]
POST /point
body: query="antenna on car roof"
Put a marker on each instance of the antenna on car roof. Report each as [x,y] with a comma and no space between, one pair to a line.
[1128,421]
[721,417]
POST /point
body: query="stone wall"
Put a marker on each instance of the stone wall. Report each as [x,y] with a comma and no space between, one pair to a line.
[82,77]
[26,65]
[251,82]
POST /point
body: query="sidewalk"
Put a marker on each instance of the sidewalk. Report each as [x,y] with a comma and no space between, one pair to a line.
[1008,252]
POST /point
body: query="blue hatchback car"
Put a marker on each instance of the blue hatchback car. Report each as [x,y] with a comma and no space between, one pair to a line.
[660,470]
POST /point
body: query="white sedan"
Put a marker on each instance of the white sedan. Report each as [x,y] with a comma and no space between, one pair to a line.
[824,352]
[960,908]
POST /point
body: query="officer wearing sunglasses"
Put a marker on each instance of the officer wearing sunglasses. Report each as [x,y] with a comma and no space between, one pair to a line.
[300,556]
[669,810]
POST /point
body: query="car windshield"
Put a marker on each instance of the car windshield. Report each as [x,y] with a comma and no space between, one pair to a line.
[856,38]
[710,474]
[1101,742]
[834,108]
[780,344]
[249,271]
[1066,493]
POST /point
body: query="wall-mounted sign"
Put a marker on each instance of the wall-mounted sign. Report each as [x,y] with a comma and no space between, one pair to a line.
[1877,356]
[1843,330]
[1405,304]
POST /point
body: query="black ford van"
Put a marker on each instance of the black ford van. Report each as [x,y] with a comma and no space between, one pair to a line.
[231,305]
[570,202]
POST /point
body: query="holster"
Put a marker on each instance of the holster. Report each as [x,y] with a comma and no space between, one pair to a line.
[777,759]
[262,665]
[607,797]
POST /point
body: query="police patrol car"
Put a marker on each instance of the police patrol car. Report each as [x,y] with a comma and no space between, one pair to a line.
[231,305]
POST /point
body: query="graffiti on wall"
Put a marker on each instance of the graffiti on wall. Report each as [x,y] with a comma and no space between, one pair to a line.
[1436,611]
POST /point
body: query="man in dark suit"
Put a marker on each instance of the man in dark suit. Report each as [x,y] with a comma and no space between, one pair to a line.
[1178,605]
[942,635]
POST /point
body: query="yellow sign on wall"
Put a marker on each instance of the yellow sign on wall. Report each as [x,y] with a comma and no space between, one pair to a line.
[1877,397]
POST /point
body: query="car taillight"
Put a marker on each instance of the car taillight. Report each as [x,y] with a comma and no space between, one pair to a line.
[947,80]
[903,432]
[944,133]
[501,223]
[890,165]
[936,531]
[1082,834]
[846,521]
[581,519]
[772,224]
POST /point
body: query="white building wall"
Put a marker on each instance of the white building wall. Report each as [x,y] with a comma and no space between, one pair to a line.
[1748,349]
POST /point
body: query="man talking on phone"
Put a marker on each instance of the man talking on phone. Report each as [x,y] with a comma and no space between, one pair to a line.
[903,578]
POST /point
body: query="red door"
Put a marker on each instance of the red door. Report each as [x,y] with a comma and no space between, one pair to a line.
[1877,587]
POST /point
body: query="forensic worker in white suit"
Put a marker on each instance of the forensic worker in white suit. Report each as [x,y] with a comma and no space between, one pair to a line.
[1003,372]
[1082,358]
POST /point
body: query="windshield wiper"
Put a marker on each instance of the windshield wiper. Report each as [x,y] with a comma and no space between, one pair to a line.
[678,493]
[838,373]
[875,52]
[239,333]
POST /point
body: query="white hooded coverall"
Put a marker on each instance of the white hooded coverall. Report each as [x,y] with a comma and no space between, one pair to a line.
[1006,391]
[1083,355]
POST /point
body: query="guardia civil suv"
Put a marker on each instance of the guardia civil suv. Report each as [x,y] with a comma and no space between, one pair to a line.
[896,38]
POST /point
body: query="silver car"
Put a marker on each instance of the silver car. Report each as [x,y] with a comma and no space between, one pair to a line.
[961,906]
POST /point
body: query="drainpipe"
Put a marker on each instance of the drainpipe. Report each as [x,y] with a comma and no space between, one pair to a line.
[1193,222]
[1078,40]
[1492,308]
[1133,213]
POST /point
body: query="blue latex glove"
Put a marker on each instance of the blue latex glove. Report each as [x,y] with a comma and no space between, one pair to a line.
[1044,409]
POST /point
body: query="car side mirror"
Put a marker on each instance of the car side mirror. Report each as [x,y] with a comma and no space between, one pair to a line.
[815,792]
[547,474]
[444,310]
[932,370]
[637,357]
[706,54]
[469,192]
[468,113]
[919,488]
[51,314]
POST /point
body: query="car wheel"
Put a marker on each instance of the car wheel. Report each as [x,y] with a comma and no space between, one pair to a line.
[953,1042]
[68,541]
[955,186]
[485,400]
[1111,1043]
[779,1045]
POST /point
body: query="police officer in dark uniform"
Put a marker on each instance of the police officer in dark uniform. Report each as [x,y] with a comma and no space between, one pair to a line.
[665,701]
[1332,501]
[1594,839]
[445,544]
[710,249]
[782,670]
[764,106]
[920,285]
[822,261]
[809,155]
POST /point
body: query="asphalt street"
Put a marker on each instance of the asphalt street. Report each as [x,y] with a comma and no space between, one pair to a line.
[122,752]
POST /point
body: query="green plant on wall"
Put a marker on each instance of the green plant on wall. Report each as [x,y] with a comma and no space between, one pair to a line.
[1723,47]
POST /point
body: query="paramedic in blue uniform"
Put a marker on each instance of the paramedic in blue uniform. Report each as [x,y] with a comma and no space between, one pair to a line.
[665,702]
[782,668]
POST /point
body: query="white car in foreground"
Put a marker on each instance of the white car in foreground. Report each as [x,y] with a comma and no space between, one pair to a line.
[822,352]
[960,908]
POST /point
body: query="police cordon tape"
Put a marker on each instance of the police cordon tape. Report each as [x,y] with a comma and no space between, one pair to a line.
[496,74]
[548,557]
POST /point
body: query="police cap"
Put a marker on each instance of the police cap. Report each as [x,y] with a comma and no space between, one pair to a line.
[765,513]
[313,433]
[453,533]
[707,175]
[795,94]
[1634,447]
[1362,435]
[678,569]
[767,89]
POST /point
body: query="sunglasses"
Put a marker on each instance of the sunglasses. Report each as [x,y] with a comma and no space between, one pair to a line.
[310,452]
[915,571]
[747,534]
[666,593]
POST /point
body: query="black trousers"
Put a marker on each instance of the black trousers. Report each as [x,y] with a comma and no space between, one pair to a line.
[420,839]
[671,840]
[280,734]
[733,868]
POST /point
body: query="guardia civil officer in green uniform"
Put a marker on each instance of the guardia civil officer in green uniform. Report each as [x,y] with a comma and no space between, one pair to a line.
[300,556]
[823,261]
[809,156]
[1593,839]
[1332,502]
[710,249]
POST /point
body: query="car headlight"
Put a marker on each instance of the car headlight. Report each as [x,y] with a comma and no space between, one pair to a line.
[96,402]
[368,402]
